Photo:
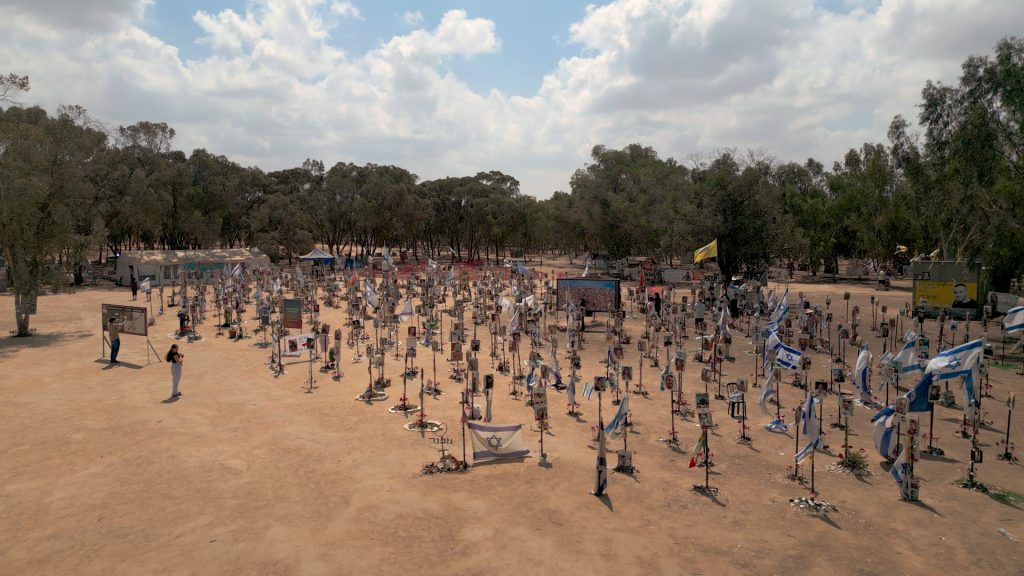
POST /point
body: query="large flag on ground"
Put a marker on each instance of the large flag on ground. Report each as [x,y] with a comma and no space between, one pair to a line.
[617,425]
[1014,320]
[705,252]
[601,478]
[497,442]
[861,372]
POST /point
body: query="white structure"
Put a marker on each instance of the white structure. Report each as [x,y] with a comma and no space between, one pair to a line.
[163,266]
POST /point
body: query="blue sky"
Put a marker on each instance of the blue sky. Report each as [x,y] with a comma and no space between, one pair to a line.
[534,34]
[526,87]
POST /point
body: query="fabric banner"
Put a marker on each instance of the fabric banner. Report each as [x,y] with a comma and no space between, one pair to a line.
[709,251]
[497,442]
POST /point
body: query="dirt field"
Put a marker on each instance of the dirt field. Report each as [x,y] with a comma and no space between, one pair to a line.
[248,474]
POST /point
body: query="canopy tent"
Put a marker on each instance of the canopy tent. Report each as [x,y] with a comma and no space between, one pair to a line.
[318,255]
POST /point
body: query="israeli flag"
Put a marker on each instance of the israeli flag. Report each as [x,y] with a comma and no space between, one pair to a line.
[588,390]
[811,429]
[781,309]
[766,392]
[959,361]
[1014,320]
[369,294]
[617,425]
[906,359]
[900,470]
[773,343]
[883,431]
[788,358]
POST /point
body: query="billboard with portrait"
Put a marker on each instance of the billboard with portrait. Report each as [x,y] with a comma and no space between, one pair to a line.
[598,294]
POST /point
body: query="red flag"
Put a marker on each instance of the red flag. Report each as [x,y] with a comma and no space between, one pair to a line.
[693,462]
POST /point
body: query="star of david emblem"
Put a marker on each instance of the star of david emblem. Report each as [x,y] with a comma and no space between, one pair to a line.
[953,362]
[494,441]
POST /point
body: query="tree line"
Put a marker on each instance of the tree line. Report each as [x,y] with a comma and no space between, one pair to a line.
[72,190]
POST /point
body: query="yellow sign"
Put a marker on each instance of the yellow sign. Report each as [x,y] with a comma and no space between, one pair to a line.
[947,294]
[709,251]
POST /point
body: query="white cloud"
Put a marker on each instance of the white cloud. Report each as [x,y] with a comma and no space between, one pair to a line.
[681,75]
[413,18]
[97,15]
[345,9]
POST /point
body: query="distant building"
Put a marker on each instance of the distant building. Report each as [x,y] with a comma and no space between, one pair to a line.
[163,266]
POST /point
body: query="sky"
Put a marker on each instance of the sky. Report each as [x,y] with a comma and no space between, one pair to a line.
[527,87]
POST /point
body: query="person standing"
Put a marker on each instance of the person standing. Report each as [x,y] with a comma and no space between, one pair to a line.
[114,327]
[657,304]
[135,287]
[175,359]
[71,282]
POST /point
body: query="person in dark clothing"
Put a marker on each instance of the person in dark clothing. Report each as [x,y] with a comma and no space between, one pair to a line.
[657,304]
[135,287]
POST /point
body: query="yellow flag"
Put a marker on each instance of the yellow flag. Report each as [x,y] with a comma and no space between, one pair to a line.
[709,251]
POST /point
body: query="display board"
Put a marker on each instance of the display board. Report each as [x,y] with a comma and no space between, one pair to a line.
[600,294]
[135,321]
[291,316]
[947,285]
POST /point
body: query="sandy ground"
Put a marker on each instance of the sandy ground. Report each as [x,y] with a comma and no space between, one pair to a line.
[248,474]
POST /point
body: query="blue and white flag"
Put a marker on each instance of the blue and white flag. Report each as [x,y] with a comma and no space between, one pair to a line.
[588,390]
[862,373]
[369,294]
[497,442]
[781,310]
[387,256]
[617,425]
[917,396]
[529,377]
[883,432]
[811,430]
[960,361]
[766,391]
[431,264]
[521,269]
[957,361]
[900,470]
[586,268]
[788,358]
[773,343]
[906,358]
[1014,320]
